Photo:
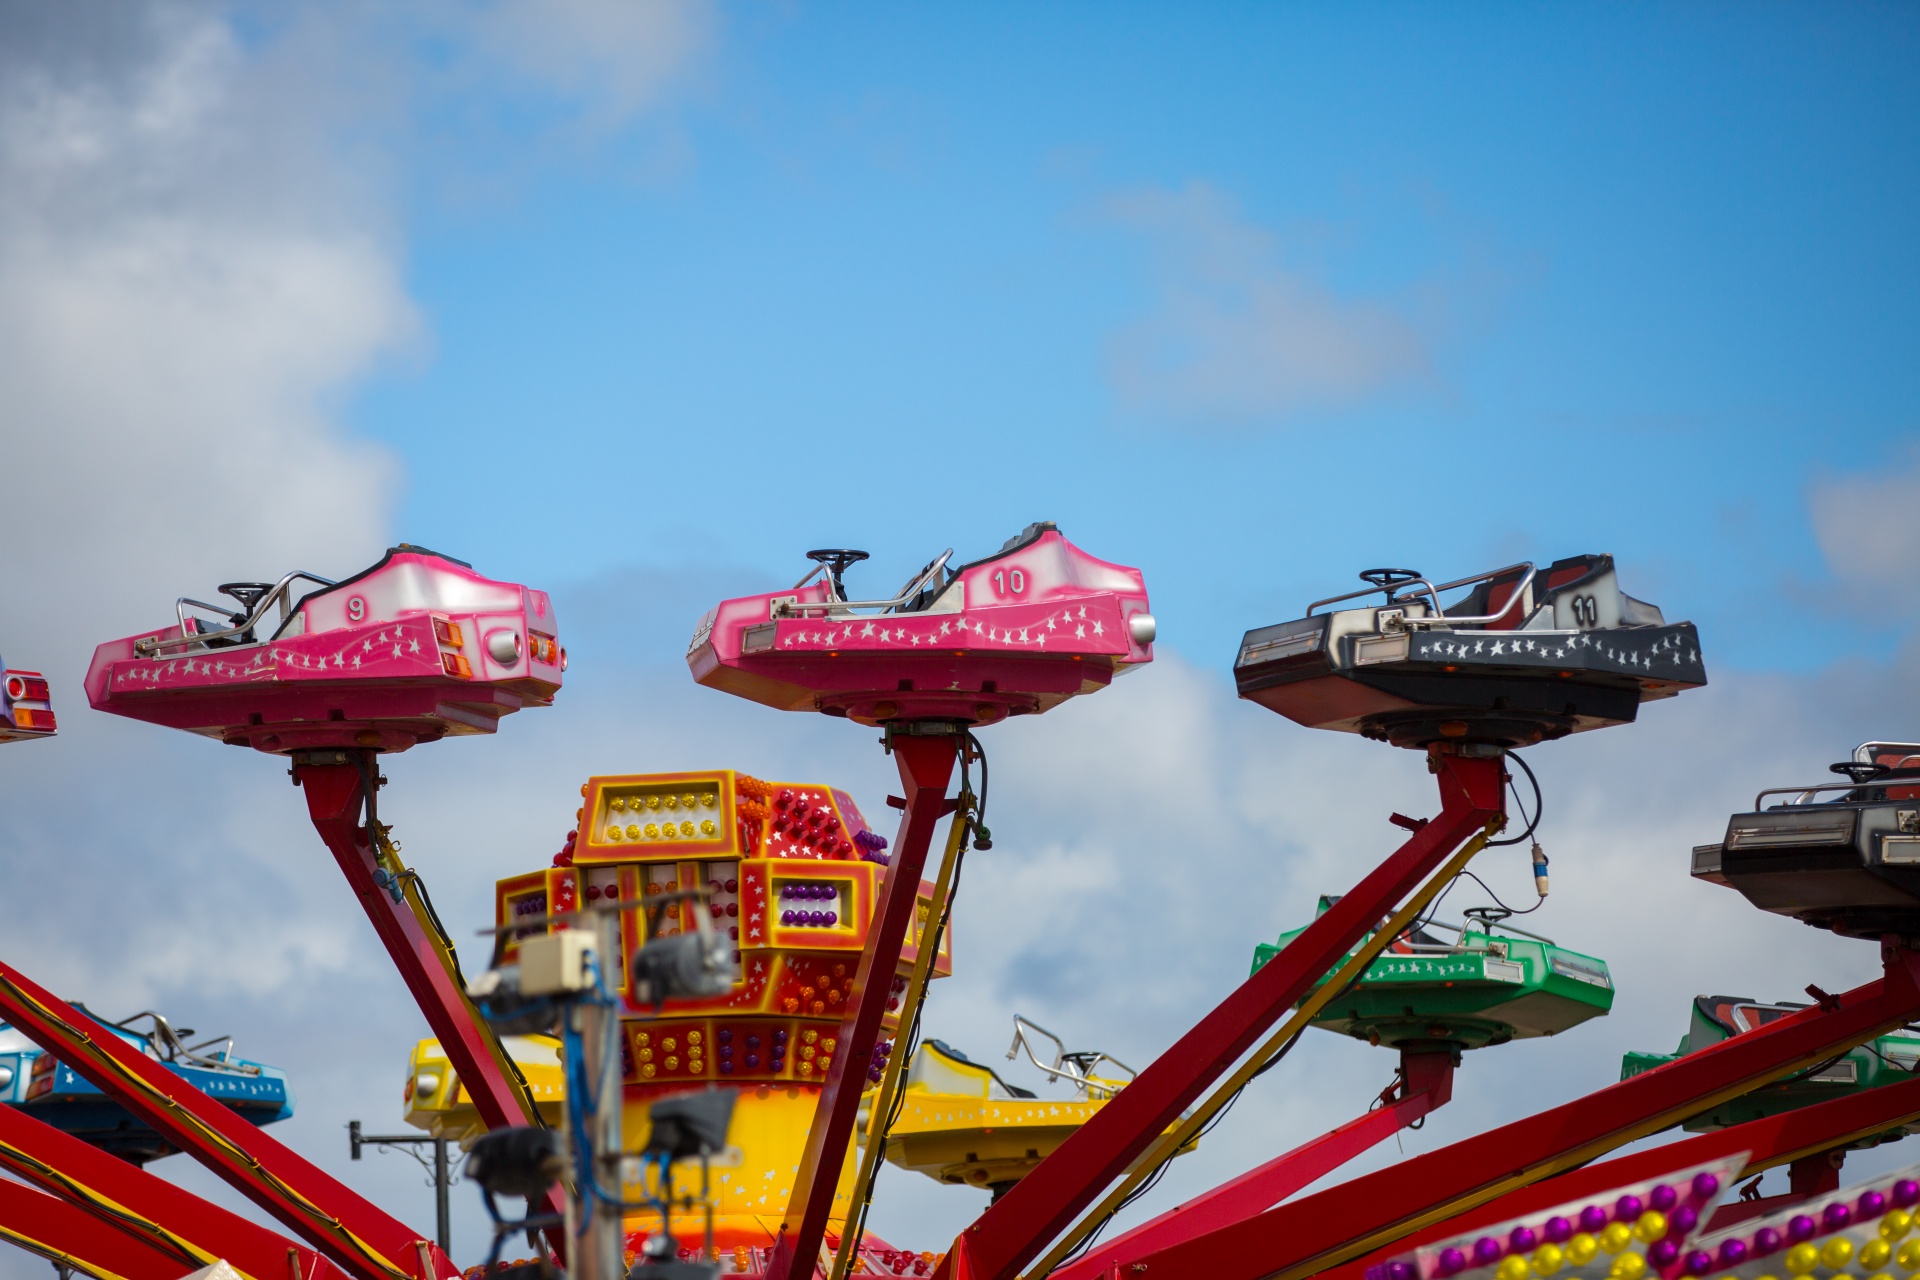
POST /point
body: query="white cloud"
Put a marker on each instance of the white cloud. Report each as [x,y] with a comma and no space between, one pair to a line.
[1868,525]
[1238,332]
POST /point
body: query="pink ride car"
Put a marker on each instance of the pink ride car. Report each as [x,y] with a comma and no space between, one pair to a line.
[415,648]
[1012,634]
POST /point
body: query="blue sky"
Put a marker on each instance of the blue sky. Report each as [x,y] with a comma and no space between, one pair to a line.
[1650,276]
[636,302]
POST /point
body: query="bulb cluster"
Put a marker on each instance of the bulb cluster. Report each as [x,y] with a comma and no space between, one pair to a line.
[1894,1208]
[877,1065]
[811,825]
[810,892]
[750,1055]
[870,844]
[1661,1222]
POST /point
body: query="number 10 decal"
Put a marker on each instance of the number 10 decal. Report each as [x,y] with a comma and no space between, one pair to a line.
[1009,580]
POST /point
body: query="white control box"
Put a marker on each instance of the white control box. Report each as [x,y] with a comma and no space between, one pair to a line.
[556,963]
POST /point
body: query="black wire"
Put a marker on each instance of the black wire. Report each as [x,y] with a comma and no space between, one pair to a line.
[1533,825]
[1539,903]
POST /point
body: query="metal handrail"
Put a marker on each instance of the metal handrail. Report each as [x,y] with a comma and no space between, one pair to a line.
[1910,777]
[1440,616]
[155,644]
[801,608]
[1078,1066]
[164,1038]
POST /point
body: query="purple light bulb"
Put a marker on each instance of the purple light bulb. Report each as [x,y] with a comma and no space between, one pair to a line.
[1699,1262]
[1522,1240]
[1872,1205]
[1399,1271]
[1682,1220]
[1662,1197]
[1705,1186]
[1452,1261]
[1559,1230]
[1800,1227]
[1836,1217]
[1906,1193]
[1733,1253]
[1592,1218]
[833,917]
[1664,1254]
[1487,1251]
[1765,1241]
[1629,1208]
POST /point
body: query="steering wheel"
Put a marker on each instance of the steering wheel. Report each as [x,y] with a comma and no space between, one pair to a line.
[1859,770]
[249,594]
[837,560]
[1391,580]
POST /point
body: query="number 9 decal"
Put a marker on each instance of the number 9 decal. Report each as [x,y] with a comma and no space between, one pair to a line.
[356,609]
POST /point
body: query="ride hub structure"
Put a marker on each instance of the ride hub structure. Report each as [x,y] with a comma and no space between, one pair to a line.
[1015,633]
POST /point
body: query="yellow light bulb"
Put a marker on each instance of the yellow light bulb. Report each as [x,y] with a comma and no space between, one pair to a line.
[1837,1252]
[653,831]
[1548,1258]
[1628,1266]
[1802,1258]
[708,829]
[1652,1225]
[613,833]
[1874,1255]
[1909,1256]
[1512,1268]
[1895,1224]
[633,831]
[653,802]
[1616,1237]
[686,829]
[1580,1249]
[618,804]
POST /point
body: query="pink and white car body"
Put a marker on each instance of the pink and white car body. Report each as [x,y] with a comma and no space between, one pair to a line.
[415,648]
[26,706]
[1016,633]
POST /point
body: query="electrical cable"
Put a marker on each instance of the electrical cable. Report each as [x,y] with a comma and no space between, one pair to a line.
[1533,825]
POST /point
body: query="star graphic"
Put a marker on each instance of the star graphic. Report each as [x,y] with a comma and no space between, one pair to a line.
[396,651]
[356,662]
[1080,632]
[1498,648]
[1099,628]
[413,646]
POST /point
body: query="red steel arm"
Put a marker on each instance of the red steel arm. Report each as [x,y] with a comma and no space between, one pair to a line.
[68,1235]
[1341,1223]
[114,1208]
[926,764]
[1806,1133]
[336,800]
[332,1217]
[1012,1232]
[1426,1083]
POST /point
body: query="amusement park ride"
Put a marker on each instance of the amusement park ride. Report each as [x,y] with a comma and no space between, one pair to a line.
[711,1001]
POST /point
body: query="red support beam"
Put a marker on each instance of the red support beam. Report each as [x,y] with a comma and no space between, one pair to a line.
[1807,1134]
[362,1238]
[66,1234]
[1014,1231]
[926,765]
[336,801]
[117,1201]
[1336,1225]
[1426,1083]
